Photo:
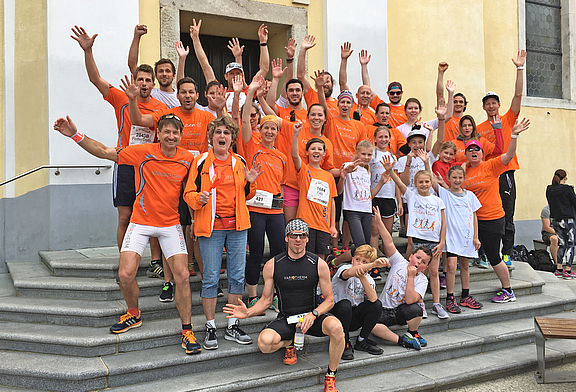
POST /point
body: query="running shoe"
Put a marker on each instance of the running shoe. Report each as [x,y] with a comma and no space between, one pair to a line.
[451,305]
[568,274]
[155,270]
[424,313]
[504,296]
[442,282]
[473,262]
[274,305]
[558,273]
[127,321]
[167,293]
[235,334]
[409,341]
[330,383]
[470,302]
[330,262]
[421,340]
[348,352]
[375,274]
[507,260]
[253,301]
[368,346]
[190,344]
[290,357]
[220,292]
[483,262]
[439,311]
[210,340]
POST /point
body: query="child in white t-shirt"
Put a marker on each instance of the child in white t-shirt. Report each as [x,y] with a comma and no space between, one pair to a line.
[426,224]
[461,237]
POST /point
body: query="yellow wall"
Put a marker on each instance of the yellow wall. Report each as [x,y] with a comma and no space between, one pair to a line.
[149,11]
[30,94]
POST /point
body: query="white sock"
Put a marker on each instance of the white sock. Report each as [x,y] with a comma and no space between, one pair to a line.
[211,323]
[232,321]
[360,338]
[436,303]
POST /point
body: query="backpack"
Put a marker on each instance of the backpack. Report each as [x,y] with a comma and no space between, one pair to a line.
[520,253]
[540,260]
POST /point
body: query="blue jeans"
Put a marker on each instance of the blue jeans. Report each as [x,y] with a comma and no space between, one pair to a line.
[211,249]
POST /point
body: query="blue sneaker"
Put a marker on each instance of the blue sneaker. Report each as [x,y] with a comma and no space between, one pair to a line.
[421,340]
[483,262]
[409,341]
[506,259]
[504,296]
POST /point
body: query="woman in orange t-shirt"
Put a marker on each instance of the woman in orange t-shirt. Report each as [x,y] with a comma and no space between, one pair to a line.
[467,132]
[482,179]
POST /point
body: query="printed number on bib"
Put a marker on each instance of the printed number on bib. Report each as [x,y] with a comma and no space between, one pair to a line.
[261,199]
[141,135]
[319,192]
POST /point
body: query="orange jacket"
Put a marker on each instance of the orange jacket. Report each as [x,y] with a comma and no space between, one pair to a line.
[200,179]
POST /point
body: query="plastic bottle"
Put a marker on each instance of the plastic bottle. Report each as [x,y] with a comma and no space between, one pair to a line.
[299,336]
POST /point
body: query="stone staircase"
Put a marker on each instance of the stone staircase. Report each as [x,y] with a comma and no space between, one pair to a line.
[54,336]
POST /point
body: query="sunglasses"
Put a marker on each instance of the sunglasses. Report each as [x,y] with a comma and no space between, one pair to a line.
[473,148]
[292,116]
[170,116]
[297,236]
[395,92]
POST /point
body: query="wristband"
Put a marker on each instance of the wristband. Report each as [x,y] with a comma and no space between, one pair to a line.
[520,67]
[290,60]
[263,43]
[513,136]
[77,137]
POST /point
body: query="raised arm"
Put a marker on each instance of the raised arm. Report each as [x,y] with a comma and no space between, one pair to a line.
[264,55]
[294,146]
[182,55]
[451,88]
[86,42]
[237,85]
[290,51]
[319,81]
[388,164]
[200,54]
[387,242]
[252,88]
[236,49]
[441,113]
[364,58]
[277,73]
[67,128]
[136,117]
[345,52]
[139,31]
[308,43]
[442,67]
[519,127]
[519,86]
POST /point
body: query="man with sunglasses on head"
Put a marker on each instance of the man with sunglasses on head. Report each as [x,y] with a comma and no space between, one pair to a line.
[295,274]
[162,169]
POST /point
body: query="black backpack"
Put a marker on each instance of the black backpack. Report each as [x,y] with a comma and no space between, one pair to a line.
[539,259]
[520,253]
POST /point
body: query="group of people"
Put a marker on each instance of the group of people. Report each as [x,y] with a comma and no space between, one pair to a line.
[198,183]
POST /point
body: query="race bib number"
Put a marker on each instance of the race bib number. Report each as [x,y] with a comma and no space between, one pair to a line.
[319,192]
[262,199]
[141,135]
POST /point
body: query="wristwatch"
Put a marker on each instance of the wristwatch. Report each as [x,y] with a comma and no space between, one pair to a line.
[315,313]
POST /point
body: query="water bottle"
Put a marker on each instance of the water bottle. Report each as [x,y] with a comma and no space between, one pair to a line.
[299,336]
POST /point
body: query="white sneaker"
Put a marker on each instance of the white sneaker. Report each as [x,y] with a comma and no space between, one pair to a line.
[424,313]
[439,311]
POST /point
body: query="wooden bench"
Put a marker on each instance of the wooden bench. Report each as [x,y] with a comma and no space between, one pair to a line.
[552,328]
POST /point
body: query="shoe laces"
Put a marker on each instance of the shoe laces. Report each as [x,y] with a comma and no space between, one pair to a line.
[236,328]
[127,316]
[189,336]
[330,384]
[290,352]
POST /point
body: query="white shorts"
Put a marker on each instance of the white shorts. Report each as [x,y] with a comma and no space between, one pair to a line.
[171,239]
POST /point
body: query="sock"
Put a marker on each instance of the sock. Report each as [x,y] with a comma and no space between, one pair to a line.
[450,295]
[331,373]
[155,262]
[134,312]
[186,327]
[399,342]
[232,321]
[360,338]
[211,324]
[413,333]
[508,289]
[465,293]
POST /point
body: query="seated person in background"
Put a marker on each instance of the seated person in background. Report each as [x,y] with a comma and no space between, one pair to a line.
[548,234]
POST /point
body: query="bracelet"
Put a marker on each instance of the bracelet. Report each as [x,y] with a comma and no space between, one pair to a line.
[520,67]
[263,43]
[290,60]
[514,136]
[77,137]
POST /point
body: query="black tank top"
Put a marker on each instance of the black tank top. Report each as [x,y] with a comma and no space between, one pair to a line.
[295,281]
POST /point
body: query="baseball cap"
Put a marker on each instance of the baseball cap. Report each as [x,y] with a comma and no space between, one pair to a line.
[490,94]
[473,143]
[395,86]
[232,66]
[405,149]
[296,225]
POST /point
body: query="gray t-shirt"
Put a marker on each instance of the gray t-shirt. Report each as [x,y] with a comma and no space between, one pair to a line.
[351,288]
[545,214]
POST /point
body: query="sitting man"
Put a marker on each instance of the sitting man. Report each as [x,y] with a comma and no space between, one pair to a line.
[549,236]
[405,286]
[295,274]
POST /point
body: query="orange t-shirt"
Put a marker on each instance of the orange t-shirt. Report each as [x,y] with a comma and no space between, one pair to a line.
[483,181]
[487,146]
[367,117]
[397,113]
[345,135]
[311,97]
[158,182]
[319,185]
[396,138]
[508,120]
[273,165]
[225,191]
[452,128]
[284,113]
[195,133]
[118,99]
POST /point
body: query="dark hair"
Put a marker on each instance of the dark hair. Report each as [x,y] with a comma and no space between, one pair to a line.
[380,105]
[320,106]
[474,134]
[315,140]
[455,168]
[329,74]
[164,61]
[170,119]
[144,68]
[211,84]
[186,79]
[415,100]
[465,100]
[559,175]
[294,81]
[425,250]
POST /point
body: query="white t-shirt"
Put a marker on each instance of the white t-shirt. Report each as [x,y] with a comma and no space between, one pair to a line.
[394,292]
[424,216]
[169,99]
[388,190]
[406,128]
[357,191]
[206,109]
[416,165]
[351,288]
[460,208]
[230,98]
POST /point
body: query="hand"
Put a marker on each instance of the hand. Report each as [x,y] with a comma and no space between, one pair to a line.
[195,29]
[437,250]
[253,173]
[377,217]
[218,100]
[450,86]
[290,48]
[351,167]
[364,57]
[521,126]
[334,232]
[384,177]
[83,39]
[140,30]
[440,180]
[411,155]
[204,197]
[191,229]
[257,82]
[319,80]
[440,112]
[263,90]
[412,271]
[297,128]
[182,53]
[381,262]
[129,87]
[388,163]
[65,126]
[277,71]
[477,243]
[307,322]
[308,42]
[428,127]
[263,33]
[400,209]
[495,119]
[235,48]
[238,83]
[520,58]
[346,50]
[237,311]
[442,66]
[422,154]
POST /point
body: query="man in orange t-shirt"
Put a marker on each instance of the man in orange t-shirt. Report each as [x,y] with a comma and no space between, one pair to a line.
[294,90]
[491,105]
[452,126]
[163,168]
[397,113]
